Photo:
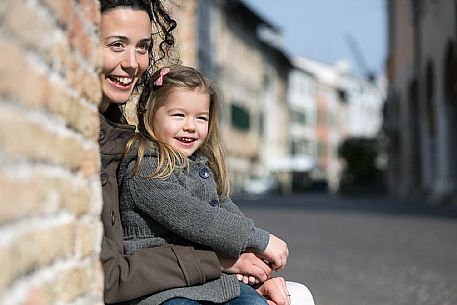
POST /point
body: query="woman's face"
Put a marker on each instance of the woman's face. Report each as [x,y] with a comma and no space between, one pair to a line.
[125,36]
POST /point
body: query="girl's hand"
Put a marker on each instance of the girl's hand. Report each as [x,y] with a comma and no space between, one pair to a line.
[250,280]
[247,265]
[276,253]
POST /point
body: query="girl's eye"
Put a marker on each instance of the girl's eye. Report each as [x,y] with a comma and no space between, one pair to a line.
[203,118]
[178,115]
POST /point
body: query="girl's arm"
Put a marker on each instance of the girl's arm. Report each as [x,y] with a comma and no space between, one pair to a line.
[228,204]
[276,251]
[171,205]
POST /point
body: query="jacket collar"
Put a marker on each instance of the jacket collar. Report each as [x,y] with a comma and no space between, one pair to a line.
[114,132]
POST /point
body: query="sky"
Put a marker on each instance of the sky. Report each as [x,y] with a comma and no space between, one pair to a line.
[324,29]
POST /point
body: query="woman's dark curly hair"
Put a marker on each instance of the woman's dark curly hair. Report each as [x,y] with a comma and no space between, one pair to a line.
[163,26]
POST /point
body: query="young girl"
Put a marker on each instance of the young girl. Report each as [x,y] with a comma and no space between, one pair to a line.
[174,186]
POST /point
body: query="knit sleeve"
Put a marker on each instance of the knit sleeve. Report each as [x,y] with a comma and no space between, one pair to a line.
[171,205]
[230,206]
[259,238]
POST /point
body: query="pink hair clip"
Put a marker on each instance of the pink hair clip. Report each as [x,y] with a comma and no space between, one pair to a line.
[159,80]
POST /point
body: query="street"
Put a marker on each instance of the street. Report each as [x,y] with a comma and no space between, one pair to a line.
[361,250]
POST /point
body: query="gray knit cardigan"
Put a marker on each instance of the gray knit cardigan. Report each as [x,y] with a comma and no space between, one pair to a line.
[183,209]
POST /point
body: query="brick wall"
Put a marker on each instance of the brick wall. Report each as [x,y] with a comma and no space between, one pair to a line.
[50,195]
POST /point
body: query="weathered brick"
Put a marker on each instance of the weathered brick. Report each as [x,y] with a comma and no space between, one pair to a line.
[64,60]
[75,199]
[64,10]
[34,249]
[75,75]
[72,283]
[39,194]
[97,276]
[80,116]
[80,39]
[91,88]
[22,197]
[49,189]
[90,163]
[91,9]
[34,142]
[86,239]
[31,25]
[13,80]
[38,295]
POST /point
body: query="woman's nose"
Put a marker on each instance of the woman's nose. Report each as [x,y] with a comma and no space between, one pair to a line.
[130,59]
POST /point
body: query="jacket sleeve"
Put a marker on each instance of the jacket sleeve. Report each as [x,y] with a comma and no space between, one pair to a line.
[151,270]
[171,205]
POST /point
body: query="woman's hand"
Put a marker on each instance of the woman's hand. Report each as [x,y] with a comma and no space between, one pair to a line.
[276,253]
[250,269]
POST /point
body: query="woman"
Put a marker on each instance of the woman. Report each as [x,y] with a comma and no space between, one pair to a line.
[126,40]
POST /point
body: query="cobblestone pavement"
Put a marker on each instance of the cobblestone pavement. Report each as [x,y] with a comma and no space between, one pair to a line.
[364,251]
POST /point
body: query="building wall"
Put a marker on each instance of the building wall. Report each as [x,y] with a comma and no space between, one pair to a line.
[439,178]
[186,33]
[399,121]
[275,148]
[50,229]
[241,75]
[422,106]
[302,99]
[241,83]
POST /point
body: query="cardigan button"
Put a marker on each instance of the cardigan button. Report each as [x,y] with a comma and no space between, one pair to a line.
[214,203]
[204,173]
[104,178]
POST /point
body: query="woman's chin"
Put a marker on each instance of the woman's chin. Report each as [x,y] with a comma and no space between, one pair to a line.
[117,97]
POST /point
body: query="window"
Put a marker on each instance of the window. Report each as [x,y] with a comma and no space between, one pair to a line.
[298,117]
[322,149]
[261,124]
[239,117]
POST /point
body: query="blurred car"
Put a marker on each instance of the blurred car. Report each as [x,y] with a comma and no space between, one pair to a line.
[261,186]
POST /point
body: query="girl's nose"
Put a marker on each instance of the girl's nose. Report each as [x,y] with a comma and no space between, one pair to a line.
[189,125]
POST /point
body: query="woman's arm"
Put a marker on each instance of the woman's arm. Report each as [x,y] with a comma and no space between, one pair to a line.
[151,270]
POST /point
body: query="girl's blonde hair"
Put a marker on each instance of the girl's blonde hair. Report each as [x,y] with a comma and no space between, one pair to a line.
[153,96]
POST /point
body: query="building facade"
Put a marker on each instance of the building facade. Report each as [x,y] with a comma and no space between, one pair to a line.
[303,125]
[421,109]
[253,76]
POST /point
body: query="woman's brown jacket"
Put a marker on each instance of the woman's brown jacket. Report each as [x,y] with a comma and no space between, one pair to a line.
[148,270]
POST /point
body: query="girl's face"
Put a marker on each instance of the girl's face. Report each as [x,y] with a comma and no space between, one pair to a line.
[182,120]
[125,36]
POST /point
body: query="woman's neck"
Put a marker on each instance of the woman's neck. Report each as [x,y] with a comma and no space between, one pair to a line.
[104,104]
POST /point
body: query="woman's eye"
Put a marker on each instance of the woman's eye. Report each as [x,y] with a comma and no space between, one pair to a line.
[143,48]
[117,45]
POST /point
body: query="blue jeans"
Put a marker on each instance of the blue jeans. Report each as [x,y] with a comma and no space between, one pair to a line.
[248,296]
